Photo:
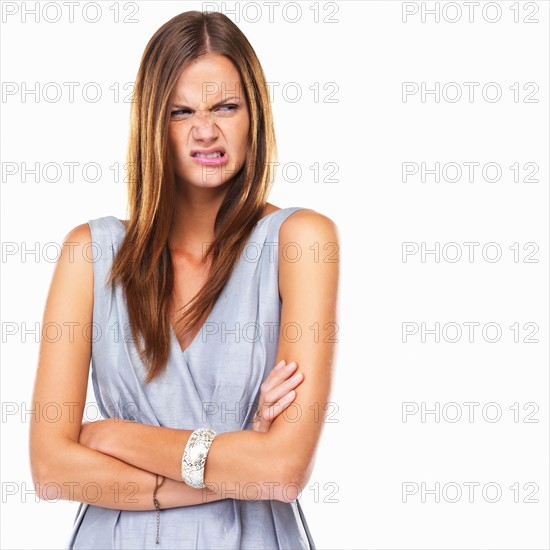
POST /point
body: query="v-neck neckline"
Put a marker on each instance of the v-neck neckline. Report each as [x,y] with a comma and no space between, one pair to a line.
[173,335]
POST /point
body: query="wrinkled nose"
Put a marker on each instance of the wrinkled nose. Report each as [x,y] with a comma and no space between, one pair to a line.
[204,124]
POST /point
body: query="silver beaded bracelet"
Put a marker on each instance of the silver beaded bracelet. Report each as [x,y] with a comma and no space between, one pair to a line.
[194,457]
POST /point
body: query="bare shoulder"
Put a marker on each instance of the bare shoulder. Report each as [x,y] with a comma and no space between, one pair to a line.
[73,251]
[308,256]
[74,269]
[307,224]
[80,233]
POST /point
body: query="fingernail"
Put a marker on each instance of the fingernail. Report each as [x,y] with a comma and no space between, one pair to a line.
[280,364]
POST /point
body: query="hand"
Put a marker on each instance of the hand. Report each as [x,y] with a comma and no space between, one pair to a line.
[276,394]
[94,434]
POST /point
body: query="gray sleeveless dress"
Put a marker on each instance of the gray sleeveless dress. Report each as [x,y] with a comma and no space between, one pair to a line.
[214,384]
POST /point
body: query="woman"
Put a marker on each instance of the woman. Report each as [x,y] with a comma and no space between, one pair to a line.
[209,312]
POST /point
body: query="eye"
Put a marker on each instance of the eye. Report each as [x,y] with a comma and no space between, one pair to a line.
[229,108]
[181,113]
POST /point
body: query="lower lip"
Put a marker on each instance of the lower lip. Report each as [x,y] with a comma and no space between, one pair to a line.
[215,161]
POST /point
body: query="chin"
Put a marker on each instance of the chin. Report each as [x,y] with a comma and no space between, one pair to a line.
[212,181]
[209,175]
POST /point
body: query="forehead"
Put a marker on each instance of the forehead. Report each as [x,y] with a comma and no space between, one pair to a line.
[208,78]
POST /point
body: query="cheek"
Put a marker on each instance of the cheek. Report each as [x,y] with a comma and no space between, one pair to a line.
[172,141]
[175,144]
[242,133]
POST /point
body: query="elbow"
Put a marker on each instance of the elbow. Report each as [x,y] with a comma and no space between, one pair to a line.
[42,481]
[288,472]
[50,486]
[38,468]
[295,475]
[45,472]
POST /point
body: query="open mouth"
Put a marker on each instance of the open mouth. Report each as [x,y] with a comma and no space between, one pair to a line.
[212,157]
[208,155]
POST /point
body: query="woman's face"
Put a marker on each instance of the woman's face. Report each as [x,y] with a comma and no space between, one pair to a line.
[208,116]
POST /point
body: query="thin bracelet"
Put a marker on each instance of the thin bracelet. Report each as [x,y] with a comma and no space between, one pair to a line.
[157,505]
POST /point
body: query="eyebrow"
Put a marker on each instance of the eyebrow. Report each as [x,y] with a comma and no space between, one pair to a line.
[182,106]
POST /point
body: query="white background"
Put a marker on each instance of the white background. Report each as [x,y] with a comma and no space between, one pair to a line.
[355,496]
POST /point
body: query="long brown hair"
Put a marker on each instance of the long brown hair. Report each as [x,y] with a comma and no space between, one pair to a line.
[143,264]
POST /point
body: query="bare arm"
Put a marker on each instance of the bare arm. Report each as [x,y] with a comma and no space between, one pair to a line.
[61,467]
[92,477]
[278,463]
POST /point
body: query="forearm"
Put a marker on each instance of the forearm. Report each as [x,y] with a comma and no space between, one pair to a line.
[240,465]
[247,463]
[80,474]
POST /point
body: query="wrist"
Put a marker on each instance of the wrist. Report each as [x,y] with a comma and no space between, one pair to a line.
[195,457]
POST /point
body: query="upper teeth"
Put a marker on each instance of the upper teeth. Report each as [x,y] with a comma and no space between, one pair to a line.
[209,155]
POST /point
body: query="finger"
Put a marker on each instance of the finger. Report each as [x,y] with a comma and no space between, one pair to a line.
[276,377]
[260,423]
[269,412]
[283,388]
[272,411]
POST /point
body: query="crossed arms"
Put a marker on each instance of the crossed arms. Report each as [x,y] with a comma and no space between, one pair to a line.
[120,458]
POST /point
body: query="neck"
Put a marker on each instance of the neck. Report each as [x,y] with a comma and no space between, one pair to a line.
[194,216]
